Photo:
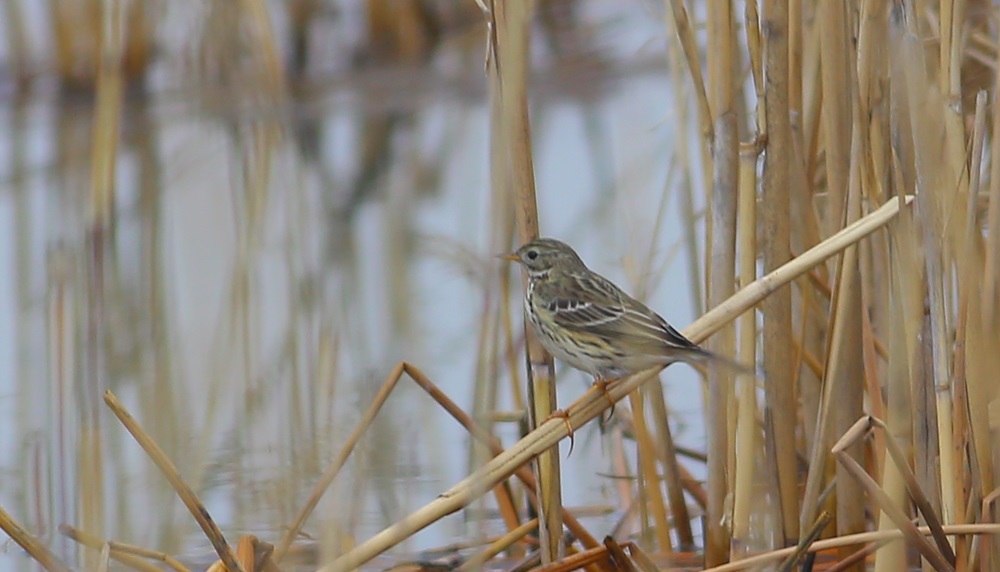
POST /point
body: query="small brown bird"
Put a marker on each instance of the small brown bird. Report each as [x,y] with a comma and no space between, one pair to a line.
[586,321]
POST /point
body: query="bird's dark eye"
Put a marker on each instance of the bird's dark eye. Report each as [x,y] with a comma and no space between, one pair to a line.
[532,254]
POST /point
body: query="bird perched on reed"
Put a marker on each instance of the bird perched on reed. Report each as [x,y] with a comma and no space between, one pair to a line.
[586,321]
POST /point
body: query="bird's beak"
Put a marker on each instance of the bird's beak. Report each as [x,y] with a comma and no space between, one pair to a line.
[511,257]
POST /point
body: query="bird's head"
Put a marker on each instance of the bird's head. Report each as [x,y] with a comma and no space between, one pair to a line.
[543,255]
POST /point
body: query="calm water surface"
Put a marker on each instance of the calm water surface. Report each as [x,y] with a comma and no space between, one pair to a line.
[245,316]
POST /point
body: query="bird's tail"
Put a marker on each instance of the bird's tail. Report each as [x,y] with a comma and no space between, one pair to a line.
[707,358]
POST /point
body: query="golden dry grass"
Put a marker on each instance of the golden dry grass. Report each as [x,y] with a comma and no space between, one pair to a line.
[852,190]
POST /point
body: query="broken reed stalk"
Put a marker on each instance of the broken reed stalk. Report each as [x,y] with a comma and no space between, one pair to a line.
[593,402]
[32,545]
[124,553]
[184,491]
[941,556]
[617,555]
[805,542]
[476,561]
[579,560]
[120,550]
[509,65]
[503,496]
[321,486]
[526,477]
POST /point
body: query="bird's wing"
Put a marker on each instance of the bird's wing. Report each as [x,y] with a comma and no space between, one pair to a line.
[591,302]
[641,322]
[579,304]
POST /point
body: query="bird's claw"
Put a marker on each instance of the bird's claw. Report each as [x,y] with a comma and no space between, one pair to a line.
[569,427]
[603,384]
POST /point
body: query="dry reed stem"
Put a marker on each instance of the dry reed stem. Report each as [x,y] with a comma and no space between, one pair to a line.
[845,360]
[119,549]
[124,553]
[476,561]
[987,556]
[690,45]
[618,557]
[689,217]
[331,472]
[594,402]
[579,560]
[961,465]
[934,555]
[17,44]
[748,296]
[640,558]
[107,117]
[688,482]
[904,308]
[852,539]
[667,452]
[104,560]
[30,544]
[184,491]
[722,264]
[619,466]
[487,380]
[991,273]
[859,556]
[100,218]
[933,161]
[779,389]
[255,555]
[646,459]
[245,552]
[806,541]
[526,477]
[838,84]
[510,61]
[746,443]
[917,494]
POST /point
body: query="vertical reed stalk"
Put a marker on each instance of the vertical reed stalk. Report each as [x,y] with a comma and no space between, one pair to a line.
[17,42]
[671,469]
[725,170]
[509,66]
[779,391]
[747,442]
[845,365]
[647,468]
[107,117]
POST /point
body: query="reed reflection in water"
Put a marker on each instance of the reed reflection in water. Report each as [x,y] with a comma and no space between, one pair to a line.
[267,253]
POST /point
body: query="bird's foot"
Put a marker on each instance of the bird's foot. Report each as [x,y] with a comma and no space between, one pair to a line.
[569,427]
[603,384]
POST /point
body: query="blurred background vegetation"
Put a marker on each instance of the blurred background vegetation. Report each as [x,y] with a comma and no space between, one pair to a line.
[240,216]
